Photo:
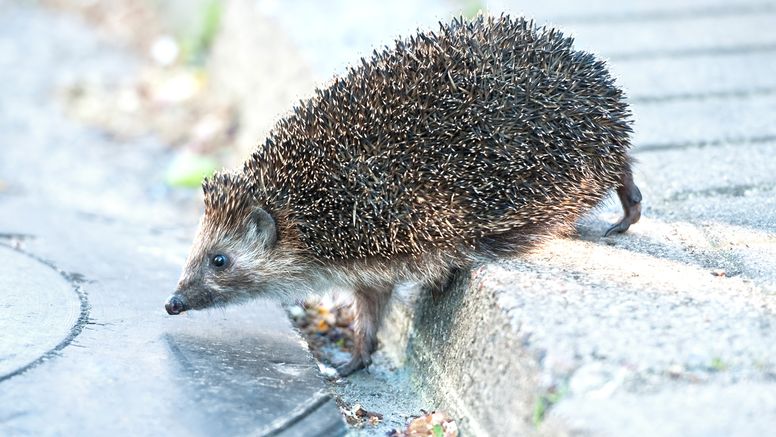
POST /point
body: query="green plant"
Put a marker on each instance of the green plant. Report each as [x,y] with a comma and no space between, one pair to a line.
[197,43]
[545,402]
[470,8]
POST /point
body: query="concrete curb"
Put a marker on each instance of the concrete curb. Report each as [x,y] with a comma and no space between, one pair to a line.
[526,346]
[455,347]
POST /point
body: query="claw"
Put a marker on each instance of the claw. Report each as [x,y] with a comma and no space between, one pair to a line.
[618,227]
[355,364]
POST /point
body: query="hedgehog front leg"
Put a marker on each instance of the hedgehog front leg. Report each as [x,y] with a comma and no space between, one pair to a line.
[369,303]
[630,197]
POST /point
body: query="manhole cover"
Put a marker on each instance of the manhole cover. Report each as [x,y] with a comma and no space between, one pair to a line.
[39,311]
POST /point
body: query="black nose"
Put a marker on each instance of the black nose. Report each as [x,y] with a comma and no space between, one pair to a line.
[175,305]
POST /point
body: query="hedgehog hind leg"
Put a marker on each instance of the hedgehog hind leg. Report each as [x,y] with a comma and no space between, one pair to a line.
[630,197]
[370,303]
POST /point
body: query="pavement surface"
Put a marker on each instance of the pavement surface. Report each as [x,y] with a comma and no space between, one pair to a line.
[91,244]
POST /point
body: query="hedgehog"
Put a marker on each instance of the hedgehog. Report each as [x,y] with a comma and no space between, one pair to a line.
[464,145]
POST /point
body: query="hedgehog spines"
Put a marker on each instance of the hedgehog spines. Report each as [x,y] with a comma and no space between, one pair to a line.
[450,141]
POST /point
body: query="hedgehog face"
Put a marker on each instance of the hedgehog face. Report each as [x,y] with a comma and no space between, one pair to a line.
[231,263]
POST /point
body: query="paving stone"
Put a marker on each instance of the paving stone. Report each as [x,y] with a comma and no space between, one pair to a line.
[608,11]
[738,75]
[700,172]
[678,38]
[707,122]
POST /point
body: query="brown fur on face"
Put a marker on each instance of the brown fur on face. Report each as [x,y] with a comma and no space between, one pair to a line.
[259,264]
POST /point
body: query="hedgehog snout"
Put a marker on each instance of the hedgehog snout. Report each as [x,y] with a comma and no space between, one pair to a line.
[176,304]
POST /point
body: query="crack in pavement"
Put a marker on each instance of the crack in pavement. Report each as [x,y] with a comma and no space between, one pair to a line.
[656,147]
[692,52]
[721,95]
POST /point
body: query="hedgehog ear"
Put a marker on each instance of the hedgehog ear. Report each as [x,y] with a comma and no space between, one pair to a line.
[265,227]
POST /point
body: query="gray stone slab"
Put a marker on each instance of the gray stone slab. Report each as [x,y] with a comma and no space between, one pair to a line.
[718,200]
[701,173]
[466,358]
[680,38]
[664,29]
[572,296]
[688,410]
[739,75]
[698,122]
[572,11]
[752,207]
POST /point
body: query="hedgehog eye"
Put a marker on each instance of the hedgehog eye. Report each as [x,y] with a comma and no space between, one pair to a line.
[219,260]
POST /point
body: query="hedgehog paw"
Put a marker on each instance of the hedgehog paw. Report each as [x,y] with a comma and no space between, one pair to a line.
[630,197]
[355,364]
